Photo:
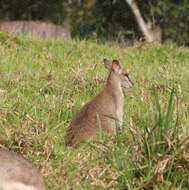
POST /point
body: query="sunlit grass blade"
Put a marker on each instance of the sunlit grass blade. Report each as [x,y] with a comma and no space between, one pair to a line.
[170,108]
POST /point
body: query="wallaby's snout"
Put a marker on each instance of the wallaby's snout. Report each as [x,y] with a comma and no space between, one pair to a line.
[104,60]
[126,81]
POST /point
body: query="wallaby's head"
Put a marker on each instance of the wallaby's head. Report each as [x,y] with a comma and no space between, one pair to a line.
[115,67]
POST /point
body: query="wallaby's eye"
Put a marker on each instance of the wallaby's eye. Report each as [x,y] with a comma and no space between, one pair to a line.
[125,74]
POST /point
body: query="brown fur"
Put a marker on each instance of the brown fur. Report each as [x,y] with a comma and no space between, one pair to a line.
[102,112]
[15,168]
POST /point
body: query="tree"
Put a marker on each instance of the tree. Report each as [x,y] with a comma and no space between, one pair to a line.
[141,23]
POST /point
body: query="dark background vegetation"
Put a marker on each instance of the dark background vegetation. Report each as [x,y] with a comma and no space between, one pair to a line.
[109,20]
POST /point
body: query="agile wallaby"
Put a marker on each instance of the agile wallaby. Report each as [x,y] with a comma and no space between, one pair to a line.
[17,173]
[105,111]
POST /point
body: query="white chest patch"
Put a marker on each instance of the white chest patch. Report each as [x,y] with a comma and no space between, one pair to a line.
[120,105]
[120,115]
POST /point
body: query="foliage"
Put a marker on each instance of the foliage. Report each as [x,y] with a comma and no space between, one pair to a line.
[173,18]
[32,10]
[44,83]
[107,20]
[111,19]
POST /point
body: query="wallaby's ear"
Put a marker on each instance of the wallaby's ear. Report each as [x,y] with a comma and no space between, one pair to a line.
[116,67]
[108,64]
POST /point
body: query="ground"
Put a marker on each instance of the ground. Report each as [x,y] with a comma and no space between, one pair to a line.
[44,83]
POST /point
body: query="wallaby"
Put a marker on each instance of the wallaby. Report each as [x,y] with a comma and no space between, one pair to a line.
[105,111]
[17,173]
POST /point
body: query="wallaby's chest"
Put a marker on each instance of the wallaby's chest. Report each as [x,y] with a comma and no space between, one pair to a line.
[120,108]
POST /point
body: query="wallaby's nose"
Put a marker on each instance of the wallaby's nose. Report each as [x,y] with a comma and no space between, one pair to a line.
[104,60]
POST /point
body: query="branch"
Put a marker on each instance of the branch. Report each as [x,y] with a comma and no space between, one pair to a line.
[142,25]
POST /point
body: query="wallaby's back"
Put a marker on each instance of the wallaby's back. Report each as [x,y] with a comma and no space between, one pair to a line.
[93,115]
[18,173]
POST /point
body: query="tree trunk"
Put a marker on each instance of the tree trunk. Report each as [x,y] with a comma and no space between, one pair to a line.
[142,25]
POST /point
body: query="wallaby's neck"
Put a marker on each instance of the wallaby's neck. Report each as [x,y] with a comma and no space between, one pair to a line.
[113,84]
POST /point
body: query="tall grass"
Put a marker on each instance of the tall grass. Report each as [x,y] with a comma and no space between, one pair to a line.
[152,156]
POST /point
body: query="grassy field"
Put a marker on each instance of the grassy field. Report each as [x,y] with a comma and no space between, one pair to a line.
[44,83]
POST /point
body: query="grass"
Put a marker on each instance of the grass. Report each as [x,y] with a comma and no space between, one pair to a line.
[44,83]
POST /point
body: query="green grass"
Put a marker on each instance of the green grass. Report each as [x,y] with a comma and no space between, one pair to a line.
[44,83]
